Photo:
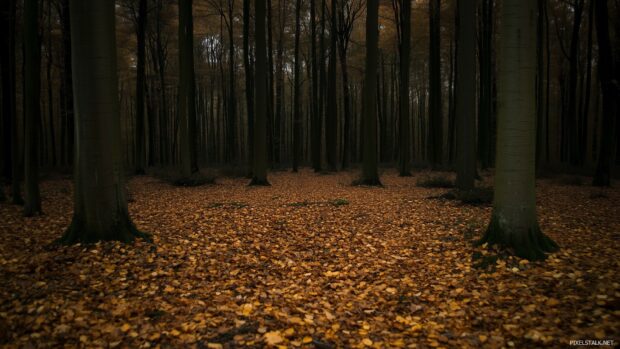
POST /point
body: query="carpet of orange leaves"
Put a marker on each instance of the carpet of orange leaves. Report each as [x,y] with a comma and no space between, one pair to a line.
[309,262]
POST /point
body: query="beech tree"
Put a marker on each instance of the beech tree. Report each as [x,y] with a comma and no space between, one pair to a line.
[514,222]
[100,204]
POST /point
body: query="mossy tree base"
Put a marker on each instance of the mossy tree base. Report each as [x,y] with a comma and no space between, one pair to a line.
[531,244]
[123,230]
[259,182]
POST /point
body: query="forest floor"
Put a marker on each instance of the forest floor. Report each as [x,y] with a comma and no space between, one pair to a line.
[309,262]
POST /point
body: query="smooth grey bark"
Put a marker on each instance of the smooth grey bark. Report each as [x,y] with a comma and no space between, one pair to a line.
[370,174]
[514,222]
[32,108]
[100,204]
[466,97]
[259,171]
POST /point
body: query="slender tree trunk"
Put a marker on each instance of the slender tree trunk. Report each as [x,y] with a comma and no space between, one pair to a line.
[609,87]
[466,97]
[331,117]
[435,113]
[232,94]
[485,106]
[249,79]
[50,88]
[571,112]
[259,172]
[315,124]
[370,174]
[187,88]
[584,111]
[32,109]
[514,222]
[297,92]
[140,162]
[67,142]
[404,166]
[100,206]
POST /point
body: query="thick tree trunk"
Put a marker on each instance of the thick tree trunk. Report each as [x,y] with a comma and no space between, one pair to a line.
[50,88]
[571,112]
[514,223]
[370,174]
[232,93]
[584,111]
[7,64]
[611,94]
[66,90]
[259,171]
[32,108]
[315,143]
[100,205]
[187,89]
[466,97]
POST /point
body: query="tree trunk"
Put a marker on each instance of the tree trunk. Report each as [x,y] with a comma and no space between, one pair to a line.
[514,223]
[140,162]
[297,92]
[435,115]
[584,111]
[259,171]
[187,89]
[571,112]
[315,143]
[100,205]
[10,144]
[32,109]
[331,116]
[249,79]
[370,175]
[66,89]
[232,93]
[466,97]
[485,104]
[50,88]
[404,166]
[609,87]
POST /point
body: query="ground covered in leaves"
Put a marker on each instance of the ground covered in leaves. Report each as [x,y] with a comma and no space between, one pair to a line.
[309,262]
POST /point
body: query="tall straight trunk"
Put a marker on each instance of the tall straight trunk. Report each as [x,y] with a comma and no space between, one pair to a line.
[232,93]
[466,97]
[322,88]
[315,142]
[370,173]
[585,109]
[10,149]
[32,109]
[100,206]
[485,104]
[435,114]
[331,116]
[297,92]
[548,80]
[66,89]
[280,88]
[249,78]
[452,83]
[609,87]
[187,89]
[514,222]
[161,70]
[140,162]
[259,170]
[50,89]
[404,164]
[571,112]
[539,81]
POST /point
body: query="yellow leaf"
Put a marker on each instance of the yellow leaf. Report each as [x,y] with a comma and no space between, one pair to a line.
[482,338]
[126,327]
[175,333]
[246,309]
[214,346]
[296,320]
[307,339]
[289,332]
[367,342]
[551,302]
[273,337]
